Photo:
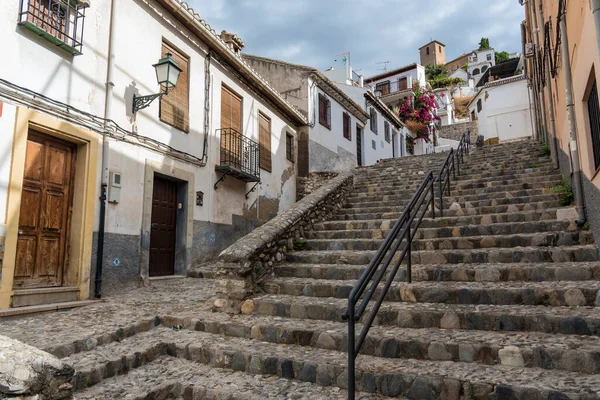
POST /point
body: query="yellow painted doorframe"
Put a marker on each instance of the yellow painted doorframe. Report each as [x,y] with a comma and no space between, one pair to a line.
[82,220]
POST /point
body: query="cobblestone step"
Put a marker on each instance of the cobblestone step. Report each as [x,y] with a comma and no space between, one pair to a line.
[541,350]
[501,318]
[173,378]
[581,271]
[492,229]
[549,293]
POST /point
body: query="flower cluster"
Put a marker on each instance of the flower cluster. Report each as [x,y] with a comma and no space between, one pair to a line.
[418,113]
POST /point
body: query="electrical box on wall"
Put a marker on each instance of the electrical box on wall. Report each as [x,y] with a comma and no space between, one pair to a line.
[114,187]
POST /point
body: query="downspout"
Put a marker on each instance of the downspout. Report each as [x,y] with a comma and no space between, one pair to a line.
[105,150]
[596,13]
[571,115]
[553,138]
[540,87]
[526,70]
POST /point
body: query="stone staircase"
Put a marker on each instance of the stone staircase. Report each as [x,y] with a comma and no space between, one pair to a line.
[502,306]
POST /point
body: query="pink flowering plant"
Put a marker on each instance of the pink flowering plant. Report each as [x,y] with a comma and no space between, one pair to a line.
[418,113]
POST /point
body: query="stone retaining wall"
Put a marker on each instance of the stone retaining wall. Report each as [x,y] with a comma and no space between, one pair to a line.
[307,185]
[455,132]
[243,266]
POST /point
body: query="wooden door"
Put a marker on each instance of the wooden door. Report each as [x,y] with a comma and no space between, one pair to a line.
[44,221]
[163,232]
[231,120]
[359,145]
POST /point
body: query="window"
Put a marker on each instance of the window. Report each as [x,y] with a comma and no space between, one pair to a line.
[594,114]
[347,126]
[324,111]
[484,68]
[427,50]
[383,87]
[174,107]
[386,130]
[374,145]
[373,121]
[489,57]
[289,147]
[479,106]
[403,83]
[476,71]
[440,49]
[264,141]
[58,21]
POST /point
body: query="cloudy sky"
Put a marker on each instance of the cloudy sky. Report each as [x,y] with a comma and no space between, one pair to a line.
[313,32]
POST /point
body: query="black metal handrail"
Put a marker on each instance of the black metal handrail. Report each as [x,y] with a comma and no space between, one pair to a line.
[398,241]
[452,167]
[239,152]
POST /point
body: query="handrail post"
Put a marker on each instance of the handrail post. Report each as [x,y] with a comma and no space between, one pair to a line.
[431,187]
[351,355]
[448,182]
[409,262]
[441,197]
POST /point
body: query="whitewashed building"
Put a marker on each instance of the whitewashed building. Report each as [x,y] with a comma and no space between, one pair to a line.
[384,136]
[394,85]
[71,84]
[334,138]
[480,61]
[502,109]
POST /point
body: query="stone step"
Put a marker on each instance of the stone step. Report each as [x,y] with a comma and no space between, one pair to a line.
[550,180]
[536,349]
[505,272]
[545,187]
[494,174]
[549,293]
[479,230]
[500,318]
[177,378]
[503,164]
[496,206]
[471,256]
[539,239]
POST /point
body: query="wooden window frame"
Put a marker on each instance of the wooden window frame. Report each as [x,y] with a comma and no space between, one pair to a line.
[387,132]
[289,146]
[385,84]
[479,106]
[347,126]
[265,156]
[185,125]
[324,111]
[373,121]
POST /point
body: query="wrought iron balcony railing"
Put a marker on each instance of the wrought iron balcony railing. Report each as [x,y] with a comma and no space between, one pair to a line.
[58,21]
[240,156]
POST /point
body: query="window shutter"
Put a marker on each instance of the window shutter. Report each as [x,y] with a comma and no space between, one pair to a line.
[403,84]
[347,131]
[264,141]
[328,109]
[174,107]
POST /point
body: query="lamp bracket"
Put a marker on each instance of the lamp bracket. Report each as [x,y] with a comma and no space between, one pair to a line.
[141,102]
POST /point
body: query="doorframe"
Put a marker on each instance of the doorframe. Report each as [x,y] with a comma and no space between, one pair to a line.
[185,217]
[77,270]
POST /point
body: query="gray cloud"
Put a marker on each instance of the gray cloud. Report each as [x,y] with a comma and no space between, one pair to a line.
[312,32]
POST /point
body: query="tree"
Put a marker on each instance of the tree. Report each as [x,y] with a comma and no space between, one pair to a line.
[484,44]
[434,71]
[502,57]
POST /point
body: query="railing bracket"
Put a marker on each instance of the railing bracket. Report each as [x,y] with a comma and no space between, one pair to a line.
[252,190]
[222,178]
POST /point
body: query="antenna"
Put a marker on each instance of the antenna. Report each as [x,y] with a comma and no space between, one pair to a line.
[345,58]
[385,63]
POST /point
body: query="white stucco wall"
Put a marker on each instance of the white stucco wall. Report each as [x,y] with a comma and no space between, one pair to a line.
[7,125]
[505,111]
[416,74]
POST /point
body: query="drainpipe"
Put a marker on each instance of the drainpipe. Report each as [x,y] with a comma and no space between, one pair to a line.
[553,140]
[596,13]
[105,150]
[540,88]
[532,110]
[571,115]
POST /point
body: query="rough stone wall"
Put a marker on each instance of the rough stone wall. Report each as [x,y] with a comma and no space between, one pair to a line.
[120,264]
[320,158]
[243,266]
[455,132]
[307,185]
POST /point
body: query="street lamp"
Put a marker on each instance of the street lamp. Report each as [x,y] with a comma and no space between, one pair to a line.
[167,75]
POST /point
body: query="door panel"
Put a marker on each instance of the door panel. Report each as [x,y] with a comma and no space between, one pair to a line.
[163,232]
[44,220]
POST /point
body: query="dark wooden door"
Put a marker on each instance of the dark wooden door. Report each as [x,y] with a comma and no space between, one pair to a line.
[44,221]
[359,146]
[164,225]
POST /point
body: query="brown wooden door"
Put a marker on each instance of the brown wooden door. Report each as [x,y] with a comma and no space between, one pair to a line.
[44,221]
[231,118]
[164,225]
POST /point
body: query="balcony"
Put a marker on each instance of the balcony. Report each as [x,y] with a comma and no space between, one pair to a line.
[240,157]
[391,92]
[58,21]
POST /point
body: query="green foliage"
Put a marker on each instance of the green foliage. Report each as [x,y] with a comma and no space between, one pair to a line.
[502,56]
[436,71]
[546,151]
[484,44]
[299,244]
[586,226]
[564,192]
[443,82]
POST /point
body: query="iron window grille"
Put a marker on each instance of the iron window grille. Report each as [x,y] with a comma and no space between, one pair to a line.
[387,132]
[58,21]
[324,111]
[373,121]
[594,114]
[289,147]
[240,156]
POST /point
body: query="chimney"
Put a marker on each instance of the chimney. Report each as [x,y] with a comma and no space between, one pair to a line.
[232,41]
